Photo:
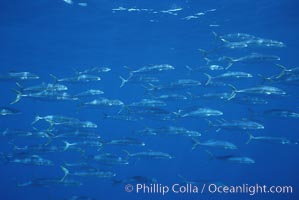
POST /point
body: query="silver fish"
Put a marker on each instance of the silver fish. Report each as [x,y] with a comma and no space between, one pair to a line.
[214,143]
[149,154]
[228,75]
[8,111]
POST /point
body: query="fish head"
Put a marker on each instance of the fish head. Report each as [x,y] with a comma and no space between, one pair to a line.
[247,160]
[216,67]
[258,126]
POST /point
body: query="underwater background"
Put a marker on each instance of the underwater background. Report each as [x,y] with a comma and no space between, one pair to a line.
[65,38]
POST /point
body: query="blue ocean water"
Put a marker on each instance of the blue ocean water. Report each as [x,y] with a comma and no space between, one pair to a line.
[65,38]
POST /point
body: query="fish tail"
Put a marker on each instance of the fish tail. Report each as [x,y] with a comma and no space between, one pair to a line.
[20,86]
[283,70]
[152,86]
[80,106]
[191,95]
[216,36]
[66,173]
[24,184]
[54,77]
[68,145]
[251,137]
[123,107]
[210,123]
[50,139]
[234,92]
[210,154]
[37,118]
[4,133]
[178,113]
[128,153]
[264,79]
[229,65]
[128,68]
[204,54]
[229,60]
[18,97]
[131,70]
[75,70]
[209,78]
[123,81]
[195,143]
[189,69]
[150,89]
[50,136]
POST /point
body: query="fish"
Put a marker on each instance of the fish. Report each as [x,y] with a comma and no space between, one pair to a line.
[27,160]
[171,97]
[139,79]
[80,134]
[89,172]
[104,102]
[24,133]
[89,93]
[49,87]
[232,158]
[261,90]
[281,113]
[174,130]
[125,117]
[65,121]
[250,100]
[205,68]
[247,40]
[80,78]
[252,58]
[270,139]
[214,143]
[46,182]
[174,86]
[125,142]
[109,159]
[171,11]
[151,69]
[234,37]
[54,119]
[243,124]
[217,96]
[4,111]
[201,112]
[147,131]
[96,70]
[19,76]
[284,70]
[68,1]
[147,103]
[44,95]
[228,75]
[46,148]
[149,154]
[82,4]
